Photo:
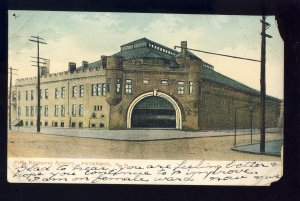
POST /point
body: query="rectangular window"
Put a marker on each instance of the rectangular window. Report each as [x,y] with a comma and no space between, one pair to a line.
[41,94]
[46,110]
[14,96]
[80,110]
[80,125]
[56,110]
[56,93]
[31,111]
[81,90]
[63,92]
[164,82]
[27,111]
[73,124]
[128,86]
[118,85]
[74,110]
[19,95]
[41,110]
[74,91]
[146,81]
[94,89]
[19,111]
[190,87]
[180,87]
[31,94]
[99,89]
[63,109]
[46,94]
[26,95]
[46,123]
[62,124]
[103,89]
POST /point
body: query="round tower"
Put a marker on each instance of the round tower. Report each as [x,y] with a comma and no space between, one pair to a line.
[114,77]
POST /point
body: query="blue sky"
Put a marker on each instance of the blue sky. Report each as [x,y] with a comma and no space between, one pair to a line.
[78,36]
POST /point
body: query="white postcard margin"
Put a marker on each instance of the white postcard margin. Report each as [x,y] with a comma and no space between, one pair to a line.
[158,172]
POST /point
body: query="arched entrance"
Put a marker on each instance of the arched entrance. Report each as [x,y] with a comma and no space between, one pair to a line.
[154,110]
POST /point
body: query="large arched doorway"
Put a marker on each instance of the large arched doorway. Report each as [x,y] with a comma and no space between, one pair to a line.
[154,110]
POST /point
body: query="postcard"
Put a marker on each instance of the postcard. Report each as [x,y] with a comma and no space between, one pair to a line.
[144,98]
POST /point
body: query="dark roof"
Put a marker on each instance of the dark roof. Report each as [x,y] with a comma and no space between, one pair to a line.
[149,52]
[91,65]
[212,75]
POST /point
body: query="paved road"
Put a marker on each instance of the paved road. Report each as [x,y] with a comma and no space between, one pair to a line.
[137,135]
[26,144]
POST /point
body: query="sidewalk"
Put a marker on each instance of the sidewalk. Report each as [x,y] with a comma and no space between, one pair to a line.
[137,135]
[272,148]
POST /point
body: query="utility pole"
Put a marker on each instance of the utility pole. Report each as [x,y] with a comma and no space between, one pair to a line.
[265,26]
[9,95]
[37,40]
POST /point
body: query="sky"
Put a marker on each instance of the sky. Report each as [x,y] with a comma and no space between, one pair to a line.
[85,36]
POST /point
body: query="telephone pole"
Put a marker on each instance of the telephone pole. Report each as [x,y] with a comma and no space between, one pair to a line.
[38,41]
[9,95]
[265,26]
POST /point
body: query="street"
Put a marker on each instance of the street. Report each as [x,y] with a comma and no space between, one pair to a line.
[30,144]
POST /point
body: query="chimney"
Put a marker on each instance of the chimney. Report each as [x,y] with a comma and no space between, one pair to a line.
[104,61]
[85,64]
[183,48]
[72,67]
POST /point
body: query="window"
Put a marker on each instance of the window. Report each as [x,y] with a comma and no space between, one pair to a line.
[80,125]
[56,93]
[63,92]
[101,125]
[146,81]
[62,110]
[74,91]
[26,124]
[80,110]
[26,95]
[118,89]
[31,111]
[81,90]
[31,94]
[41,109]
[46,94]
[73,124]
[180,87]
[164,82]
[31,123]
[93,125]
[56,110]
[99,89]
[46,111]
[27,111]
[62,124]
[41,94]
[14,96]
[94,90]
[19,111]
[108,87]
[55,124]
[46,123]
[128,86]
[190,87]
[73,110]
[104,89]
[19,95]
[97,107]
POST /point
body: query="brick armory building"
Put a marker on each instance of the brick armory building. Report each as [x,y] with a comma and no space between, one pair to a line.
[145,85]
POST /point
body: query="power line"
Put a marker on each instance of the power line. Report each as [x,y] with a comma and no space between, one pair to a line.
[213,53]
[38,41]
